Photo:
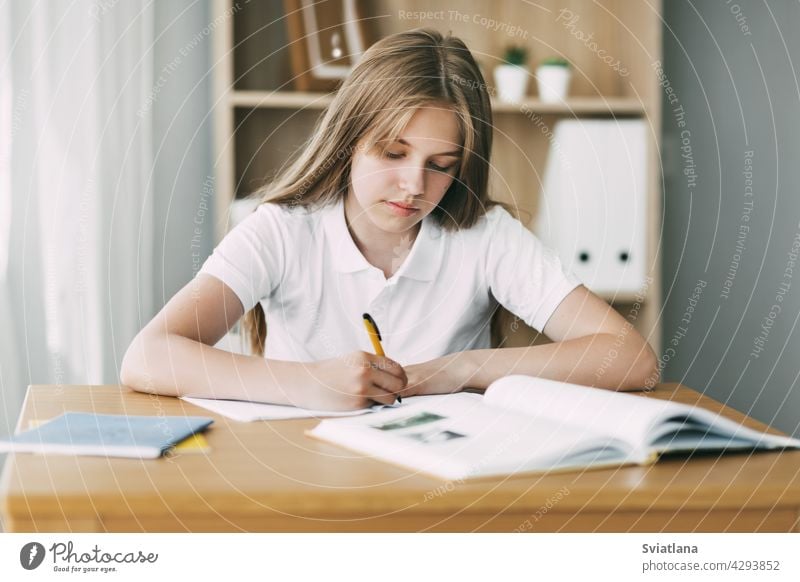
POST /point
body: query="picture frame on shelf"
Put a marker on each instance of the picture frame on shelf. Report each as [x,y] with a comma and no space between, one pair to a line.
[326,39]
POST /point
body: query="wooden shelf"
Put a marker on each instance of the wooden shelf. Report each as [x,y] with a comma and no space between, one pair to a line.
[573,106]
[280,99]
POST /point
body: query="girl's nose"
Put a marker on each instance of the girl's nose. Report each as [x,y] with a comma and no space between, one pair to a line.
[412,179]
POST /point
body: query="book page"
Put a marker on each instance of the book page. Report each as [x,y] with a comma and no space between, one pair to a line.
[645,423]
[692,428]
[624,416]
[460,435]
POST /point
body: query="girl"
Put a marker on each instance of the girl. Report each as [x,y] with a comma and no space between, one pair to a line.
[385,211]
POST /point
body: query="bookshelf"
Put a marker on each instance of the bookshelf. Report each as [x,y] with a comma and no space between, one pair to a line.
[574,106]
[260,120]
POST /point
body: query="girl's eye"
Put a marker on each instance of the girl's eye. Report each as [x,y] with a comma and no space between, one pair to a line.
[439,168]
[393,156]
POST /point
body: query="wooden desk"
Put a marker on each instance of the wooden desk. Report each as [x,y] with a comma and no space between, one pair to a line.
[268,476]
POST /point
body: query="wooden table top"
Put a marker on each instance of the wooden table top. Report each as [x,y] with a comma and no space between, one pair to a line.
[270,470]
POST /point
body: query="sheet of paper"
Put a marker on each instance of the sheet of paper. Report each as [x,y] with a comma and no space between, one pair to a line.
[245,411]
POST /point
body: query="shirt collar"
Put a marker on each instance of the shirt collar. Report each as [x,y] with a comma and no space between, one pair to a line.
[422,262]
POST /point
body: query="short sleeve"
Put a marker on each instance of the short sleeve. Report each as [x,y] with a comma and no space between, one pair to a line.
[524,275]
[251,258]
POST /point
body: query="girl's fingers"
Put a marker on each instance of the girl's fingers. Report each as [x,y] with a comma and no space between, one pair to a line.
[389,366]
[381,396]
[388,382]
[388,379]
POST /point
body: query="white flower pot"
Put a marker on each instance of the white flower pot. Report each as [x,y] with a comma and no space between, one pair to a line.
[553,83]
[511,82]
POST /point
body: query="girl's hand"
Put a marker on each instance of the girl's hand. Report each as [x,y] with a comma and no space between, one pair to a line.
[356,380]
[440,376]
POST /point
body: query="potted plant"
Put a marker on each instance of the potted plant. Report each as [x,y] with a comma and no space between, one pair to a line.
[511,77]
[552,78]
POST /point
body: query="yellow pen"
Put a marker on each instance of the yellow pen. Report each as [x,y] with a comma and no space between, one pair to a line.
[375,338]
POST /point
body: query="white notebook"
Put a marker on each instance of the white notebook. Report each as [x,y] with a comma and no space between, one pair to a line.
[245,411]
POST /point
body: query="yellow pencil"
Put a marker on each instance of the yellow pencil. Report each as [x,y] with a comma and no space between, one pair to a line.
[375,338]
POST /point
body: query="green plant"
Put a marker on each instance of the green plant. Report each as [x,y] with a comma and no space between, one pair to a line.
[554,62]
[515,55]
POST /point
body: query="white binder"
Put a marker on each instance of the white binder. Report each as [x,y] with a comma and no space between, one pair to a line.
[592,207]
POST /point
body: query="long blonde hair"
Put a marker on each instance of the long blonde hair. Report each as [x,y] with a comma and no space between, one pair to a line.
[394,77]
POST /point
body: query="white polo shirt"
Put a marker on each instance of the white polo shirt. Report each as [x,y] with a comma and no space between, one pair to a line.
[314,284]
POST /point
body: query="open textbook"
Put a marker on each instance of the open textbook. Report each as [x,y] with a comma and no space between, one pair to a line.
[526,424]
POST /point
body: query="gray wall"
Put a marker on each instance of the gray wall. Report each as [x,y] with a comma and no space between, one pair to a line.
[182,144]
[731,205]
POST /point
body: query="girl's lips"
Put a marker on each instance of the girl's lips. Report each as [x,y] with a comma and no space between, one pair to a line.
[400,209]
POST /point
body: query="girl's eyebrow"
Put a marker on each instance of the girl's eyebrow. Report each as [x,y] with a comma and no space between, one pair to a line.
[454,154]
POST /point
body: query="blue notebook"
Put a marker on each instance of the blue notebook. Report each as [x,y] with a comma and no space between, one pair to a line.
[108,435]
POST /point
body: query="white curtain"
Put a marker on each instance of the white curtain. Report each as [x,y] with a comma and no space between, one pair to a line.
[76,207]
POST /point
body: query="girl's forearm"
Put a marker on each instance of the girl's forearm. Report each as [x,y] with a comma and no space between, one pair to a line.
[595,360]
[173,365]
